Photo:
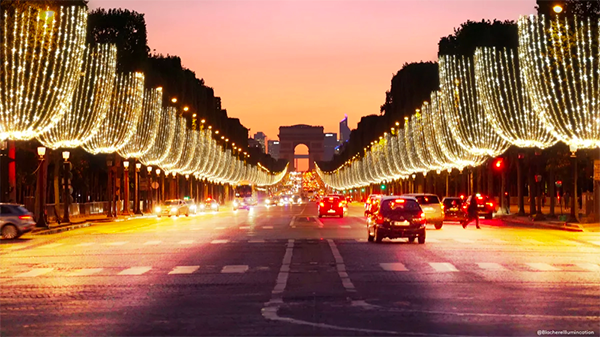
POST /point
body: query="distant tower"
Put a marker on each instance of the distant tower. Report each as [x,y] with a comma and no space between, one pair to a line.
[329,145]
[344,130]
[273,148]
[261,138]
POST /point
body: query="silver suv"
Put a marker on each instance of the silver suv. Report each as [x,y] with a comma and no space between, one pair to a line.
[15,220]
[430,203]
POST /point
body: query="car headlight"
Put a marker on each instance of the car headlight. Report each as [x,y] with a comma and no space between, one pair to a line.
[174,209]
[157,209]
[193,207]
[235,203]
[213,206]
[267,201]
[202,206]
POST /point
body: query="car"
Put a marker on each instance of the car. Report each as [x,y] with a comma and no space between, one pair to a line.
[397,217]
[271,201]
[372,200]
[15,220]
[453,209]
[349,199]
[210,204]
[171,207]
[192,206]
[332,205]
[486,206]
[244,203]
[430,203]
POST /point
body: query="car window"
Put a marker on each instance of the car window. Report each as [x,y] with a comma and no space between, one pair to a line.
[171,202]
[427,199]
[452,202]
[393,206]
[6,210]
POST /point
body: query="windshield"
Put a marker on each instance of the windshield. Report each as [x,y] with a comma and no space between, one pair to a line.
[243,191]
[171,202]
[452,202]
[427,199]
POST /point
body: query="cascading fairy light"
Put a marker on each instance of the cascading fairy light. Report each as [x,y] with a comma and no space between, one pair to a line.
[147,126]
[505,102]
[420,146]
[465,113]
[212,159]
[207,153]
[189,151]
[177,146]
[90,102]
[120,123]
[196,161]
[414,164]
[432,142]
[389,153]
[397,153]
[560,64]
[42,53]
[159,151]
[459,156]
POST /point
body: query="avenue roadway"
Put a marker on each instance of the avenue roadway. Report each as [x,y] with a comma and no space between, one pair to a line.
[283,271]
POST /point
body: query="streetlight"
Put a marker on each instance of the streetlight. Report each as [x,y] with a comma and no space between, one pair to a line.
[149,189]
[67,182]
[174,100]
[203,121]
[126,183]
[557,9]
[41,198]
[162,185]
[175,186]
[185,108]
[136,197]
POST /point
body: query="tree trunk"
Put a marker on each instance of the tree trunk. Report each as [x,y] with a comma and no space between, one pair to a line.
[551,190]
[532,187]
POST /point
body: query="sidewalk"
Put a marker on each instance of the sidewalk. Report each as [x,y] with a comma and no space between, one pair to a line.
[55,227]
[557,222]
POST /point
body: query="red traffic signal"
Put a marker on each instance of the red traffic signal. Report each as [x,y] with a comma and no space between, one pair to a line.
[499,163]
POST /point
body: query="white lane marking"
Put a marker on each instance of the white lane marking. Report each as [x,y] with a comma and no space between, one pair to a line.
[135,271]
[570,242]
[341,267]
[52,245]
[597,243]
[396,266]
[195,228]
[216,242]
[153,243]
[256,241]
[244,227]
[464,240]
[321,224]
[35,272]
[442,266]
[490,266]
[219,228]
[534,242]
[85,272]
[267,227]
[541,266]
[345,226]
[183,270]
[118,243]
[186,242]
[86,244]
[589,266]
[234,269]
[282,277]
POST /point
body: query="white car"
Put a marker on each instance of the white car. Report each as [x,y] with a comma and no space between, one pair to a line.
[432,207]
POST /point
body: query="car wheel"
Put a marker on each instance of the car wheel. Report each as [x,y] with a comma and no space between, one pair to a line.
[422,238]
[342,215]
[370,237]
[378,236]
[320,215]
[411,239]
[438,226]
[187,214]
[10,232]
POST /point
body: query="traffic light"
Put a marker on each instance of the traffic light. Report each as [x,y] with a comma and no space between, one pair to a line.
[383,187]
[499,163]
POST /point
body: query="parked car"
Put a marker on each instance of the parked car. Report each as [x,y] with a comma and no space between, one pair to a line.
[486,206]
[15,220]
[173,207]
[192,206]
[332,205]
[430,203]
[209,204]
[372,202]
[453,209]
[397,217]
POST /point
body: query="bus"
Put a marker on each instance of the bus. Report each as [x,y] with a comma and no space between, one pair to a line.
[245,196]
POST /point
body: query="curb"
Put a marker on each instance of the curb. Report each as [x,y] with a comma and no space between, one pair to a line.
[63,229]
[565,226]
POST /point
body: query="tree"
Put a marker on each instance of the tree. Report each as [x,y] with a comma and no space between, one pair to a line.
[485,33]
[581,8]
[126,29]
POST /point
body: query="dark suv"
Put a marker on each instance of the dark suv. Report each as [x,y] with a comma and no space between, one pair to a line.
[396,217]
[453,210]
[486,206]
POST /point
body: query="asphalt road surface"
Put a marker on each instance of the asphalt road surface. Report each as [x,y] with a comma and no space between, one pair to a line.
[283,271]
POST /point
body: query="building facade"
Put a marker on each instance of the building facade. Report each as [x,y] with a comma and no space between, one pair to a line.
[273,148]
[344,130]
[329,145]
[261,138]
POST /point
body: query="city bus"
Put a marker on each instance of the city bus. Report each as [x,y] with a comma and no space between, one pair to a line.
[245,196]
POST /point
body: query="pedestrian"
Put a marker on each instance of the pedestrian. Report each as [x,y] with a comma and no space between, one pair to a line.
[566,197]
[472,212]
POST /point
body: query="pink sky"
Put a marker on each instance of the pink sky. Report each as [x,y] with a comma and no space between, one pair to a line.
[277,63]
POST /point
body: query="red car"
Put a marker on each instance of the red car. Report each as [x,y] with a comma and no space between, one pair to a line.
[333,205]
[486,206]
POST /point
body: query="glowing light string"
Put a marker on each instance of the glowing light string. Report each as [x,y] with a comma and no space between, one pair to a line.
[159,151]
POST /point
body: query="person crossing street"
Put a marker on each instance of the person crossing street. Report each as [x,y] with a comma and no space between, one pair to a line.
[472,212]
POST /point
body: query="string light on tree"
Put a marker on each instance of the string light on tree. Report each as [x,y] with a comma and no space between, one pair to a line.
[159,151]
[42,53]
[177,146]
[147,126]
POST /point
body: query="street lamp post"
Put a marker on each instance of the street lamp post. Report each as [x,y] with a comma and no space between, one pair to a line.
[162,185]
[136,197]
[41,197]
[149,190]
[175,189]
[126,185]
[67,187]
[573,217]
[109,164]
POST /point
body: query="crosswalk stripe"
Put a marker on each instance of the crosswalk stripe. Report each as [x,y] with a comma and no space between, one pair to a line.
[85,272]
[152,243]
[214,242]
[443,266]
[569,242]
[256,241]
[184,270]
[234,269]
[589,266]
[345,226]
[52,245]
[117,243]
[186,242]
[86,244]
[135,271]
[267,227]
[396,266]
[597,243]
[464,240]
[490,266]
[542,266]
[35,272]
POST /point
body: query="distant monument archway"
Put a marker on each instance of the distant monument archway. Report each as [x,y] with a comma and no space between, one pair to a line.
[311,136]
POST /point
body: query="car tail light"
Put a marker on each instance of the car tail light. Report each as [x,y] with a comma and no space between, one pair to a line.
[341,204]
[491,204]
[25,217]
[420,218]
[443,207]
[322,204]
[379,219]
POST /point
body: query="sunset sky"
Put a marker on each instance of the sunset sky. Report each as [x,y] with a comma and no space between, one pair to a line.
[277,63]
